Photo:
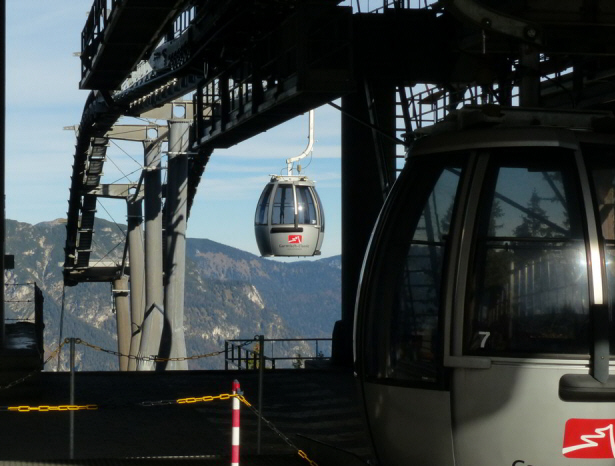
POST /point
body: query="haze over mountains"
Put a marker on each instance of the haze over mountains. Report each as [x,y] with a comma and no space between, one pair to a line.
[230,294]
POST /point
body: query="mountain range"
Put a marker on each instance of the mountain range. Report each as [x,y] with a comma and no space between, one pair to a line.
[229,294]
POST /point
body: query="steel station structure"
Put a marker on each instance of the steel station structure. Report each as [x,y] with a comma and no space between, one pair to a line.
[396,67]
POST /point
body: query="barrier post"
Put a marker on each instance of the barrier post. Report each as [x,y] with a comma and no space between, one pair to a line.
[261,374]
[71,414]
[226,355]
[235,428]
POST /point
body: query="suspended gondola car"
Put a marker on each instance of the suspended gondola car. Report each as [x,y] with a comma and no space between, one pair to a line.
[485,308]
[289,218]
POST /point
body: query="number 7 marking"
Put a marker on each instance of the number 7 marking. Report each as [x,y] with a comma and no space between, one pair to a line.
[485,335]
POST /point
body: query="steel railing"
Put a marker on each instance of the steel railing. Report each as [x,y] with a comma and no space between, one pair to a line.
[247,353]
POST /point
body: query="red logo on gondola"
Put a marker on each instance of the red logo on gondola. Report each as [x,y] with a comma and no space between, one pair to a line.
[295,239]
[589,438]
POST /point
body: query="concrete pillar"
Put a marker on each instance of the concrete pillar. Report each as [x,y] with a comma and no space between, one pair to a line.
[173,341]
[122,316]
[154,291]
[137,280]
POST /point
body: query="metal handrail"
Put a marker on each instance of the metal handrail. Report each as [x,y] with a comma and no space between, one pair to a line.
[432,104]
[237,353]
[375,6]
[93,31]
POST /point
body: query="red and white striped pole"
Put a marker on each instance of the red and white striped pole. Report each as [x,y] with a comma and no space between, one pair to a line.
[235,428]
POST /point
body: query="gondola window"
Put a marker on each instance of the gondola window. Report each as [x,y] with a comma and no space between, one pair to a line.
[283,205]
[529,292]
[415,324]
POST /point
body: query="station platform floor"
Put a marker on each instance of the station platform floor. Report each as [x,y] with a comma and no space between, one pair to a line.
[138,420]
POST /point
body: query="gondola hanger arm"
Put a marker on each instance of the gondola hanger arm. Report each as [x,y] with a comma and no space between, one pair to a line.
[308,149]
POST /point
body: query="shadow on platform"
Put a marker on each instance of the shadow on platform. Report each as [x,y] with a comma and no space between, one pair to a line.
[139,422]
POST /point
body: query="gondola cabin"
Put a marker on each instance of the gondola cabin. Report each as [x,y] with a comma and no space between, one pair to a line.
[484,324]
[289,218]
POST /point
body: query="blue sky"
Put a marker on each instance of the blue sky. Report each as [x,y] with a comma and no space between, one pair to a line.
[43,97]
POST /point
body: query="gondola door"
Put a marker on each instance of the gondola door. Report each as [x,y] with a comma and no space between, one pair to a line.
[400,318]
[529,276]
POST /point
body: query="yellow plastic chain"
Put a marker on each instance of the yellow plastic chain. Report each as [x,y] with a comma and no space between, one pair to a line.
[303,455]
[79,341]
[206,398]
[44,409]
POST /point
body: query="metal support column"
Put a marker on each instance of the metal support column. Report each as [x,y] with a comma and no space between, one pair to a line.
[364,158]
[173,343]
[2,164]
[154,292]
[122,317]
[147,293]
[529,89]
[137,280]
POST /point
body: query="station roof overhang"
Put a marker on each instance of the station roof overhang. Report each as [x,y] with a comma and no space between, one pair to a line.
[110,51]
